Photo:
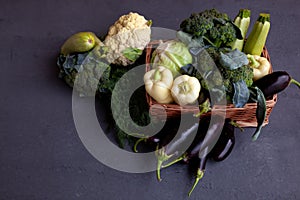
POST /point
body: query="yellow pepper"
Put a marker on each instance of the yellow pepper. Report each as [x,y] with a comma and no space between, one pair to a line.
[158,84]
[261,66]
[185,89]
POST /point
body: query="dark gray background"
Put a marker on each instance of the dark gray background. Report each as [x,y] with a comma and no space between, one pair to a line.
[41,156]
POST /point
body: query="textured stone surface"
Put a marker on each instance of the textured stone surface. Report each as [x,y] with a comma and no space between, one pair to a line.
[41,156]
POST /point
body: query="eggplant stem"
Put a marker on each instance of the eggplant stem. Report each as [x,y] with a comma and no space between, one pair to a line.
[199,176]
[161,157]
[159,163]
[295,82]
[136,144]
[204,108]
[173,162]
[233,123]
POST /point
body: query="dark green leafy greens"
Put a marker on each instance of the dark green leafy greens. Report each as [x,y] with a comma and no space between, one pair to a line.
[139,114]
[233,59]
[257,95]
[241,94]
[92,67]
[138,106]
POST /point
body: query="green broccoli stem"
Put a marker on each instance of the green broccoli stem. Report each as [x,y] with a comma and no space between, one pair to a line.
[218,43]
[295,82]
[200,174]
[209,41]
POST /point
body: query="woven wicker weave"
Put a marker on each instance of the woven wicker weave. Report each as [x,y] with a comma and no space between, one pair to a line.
[244,117]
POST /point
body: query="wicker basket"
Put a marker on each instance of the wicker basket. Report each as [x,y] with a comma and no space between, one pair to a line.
[244,117]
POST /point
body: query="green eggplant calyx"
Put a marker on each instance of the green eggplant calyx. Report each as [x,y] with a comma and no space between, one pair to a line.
[200,174]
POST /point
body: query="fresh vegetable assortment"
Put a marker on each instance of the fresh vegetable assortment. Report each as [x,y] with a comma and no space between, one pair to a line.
[210,54]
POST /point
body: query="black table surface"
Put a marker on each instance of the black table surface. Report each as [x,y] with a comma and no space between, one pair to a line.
[41,155]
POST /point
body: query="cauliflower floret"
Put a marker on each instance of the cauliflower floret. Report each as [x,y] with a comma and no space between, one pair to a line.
[131,31]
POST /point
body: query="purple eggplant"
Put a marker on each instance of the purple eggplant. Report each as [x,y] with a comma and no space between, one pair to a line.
[176,147]
[225,143]
[274,83]
[201,163]
[163,137]
[201,149]
[207,136]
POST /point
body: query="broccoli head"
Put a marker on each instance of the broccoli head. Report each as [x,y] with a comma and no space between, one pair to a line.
[196,25]
[229,76]
[207,61]
[232,76]
[215,27]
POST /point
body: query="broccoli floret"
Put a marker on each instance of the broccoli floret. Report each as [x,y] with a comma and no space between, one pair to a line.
[209,78]
[215,27]
[196,25]
[244,72]
[232,76]
[222,34]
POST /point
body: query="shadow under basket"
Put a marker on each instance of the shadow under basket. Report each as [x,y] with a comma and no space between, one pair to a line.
[244,117]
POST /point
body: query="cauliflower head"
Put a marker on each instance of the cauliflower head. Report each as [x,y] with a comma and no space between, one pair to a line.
[127,38]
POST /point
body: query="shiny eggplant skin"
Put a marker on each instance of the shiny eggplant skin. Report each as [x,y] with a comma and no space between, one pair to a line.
[273,83]
[204,132]
[168,132]
[225,143]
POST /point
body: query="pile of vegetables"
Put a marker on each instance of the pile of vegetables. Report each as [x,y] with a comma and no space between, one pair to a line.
[211,56]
